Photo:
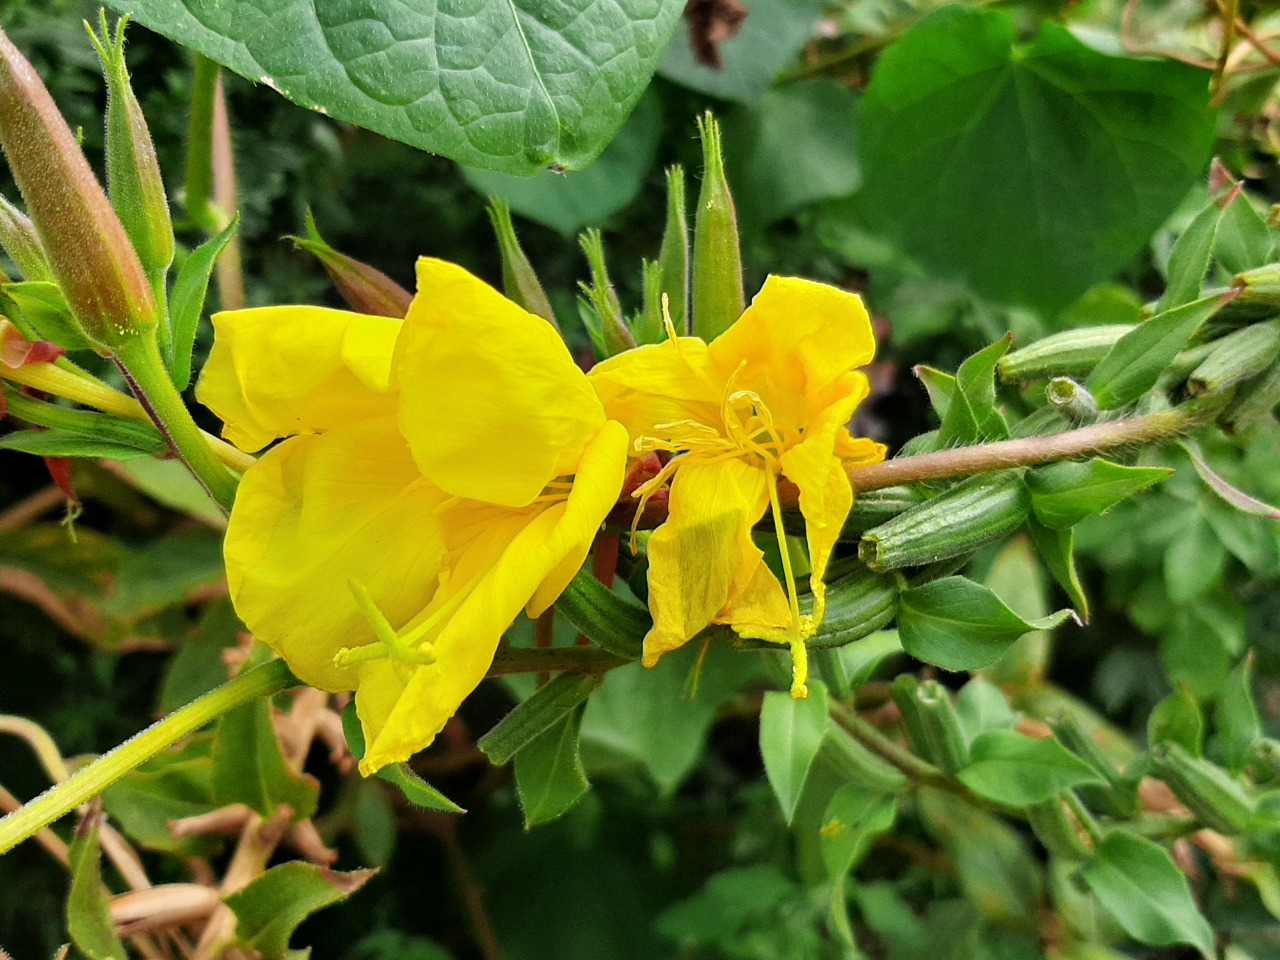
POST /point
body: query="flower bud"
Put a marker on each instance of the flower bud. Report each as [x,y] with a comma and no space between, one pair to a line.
[717,257]
[1252,402]
[89,252]
[1070,353]
[931,722]
[1212,794]
[674,255]
[1235,358]
[519,280]
[365,288]
[857,606]
[18,239]
[973,513]
[133,173]
[614,335]
[858,765]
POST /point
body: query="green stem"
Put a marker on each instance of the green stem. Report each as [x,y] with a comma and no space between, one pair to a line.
[1086,818]
[198,198]
[91,780]
[164,332]
[139,359]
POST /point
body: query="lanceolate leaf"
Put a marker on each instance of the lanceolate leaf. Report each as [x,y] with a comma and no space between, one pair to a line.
[189,292]
[509,85]
[1063,494]
[791,733]
[1189,259]
[549,773]
[1012,768]
[89,901]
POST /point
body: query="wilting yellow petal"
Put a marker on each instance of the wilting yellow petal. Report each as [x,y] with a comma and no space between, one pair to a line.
[315,513]
[493,405]
[703,550]
[283,371]
[795,339]
[507,556]
[658,383]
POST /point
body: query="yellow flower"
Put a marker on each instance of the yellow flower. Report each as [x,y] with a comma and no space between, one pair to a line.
[767,400]
[441,473]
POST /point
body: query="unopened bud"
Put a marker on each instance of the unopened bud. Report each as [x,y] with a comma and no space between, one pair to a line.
[365,288]
[858,605]
[88,250]
[1072,400]
[1260,285]
[1070,353]
[519,280]
[1213,795]
[18,239]
[1235,358]
[615,337]
[944,743]
[674,255]
[858,765]
[717,255]
[1252,402]
[133,172]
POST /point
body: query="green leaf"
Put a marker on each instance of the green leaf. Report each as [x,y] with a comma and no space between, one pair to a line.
[514,86]
[939,385]
[567,202]
[1193,561]
[270,908]
[1063,494]
[45,311]
[972,415]
[549,774]
[187,303]
[528,719]
[170,786]
[89,902]
[1057,550]
[979,153]
[1135,363]
[167,572]
[1012,768]
[1142,887]
[795,146]
[1189,259]
[768,40]
[1236,716]
[957,624]
[249,766]
[854,819]
[1177,719]
[169,482]
[416,790]
[58,442]
[791,733]
[1245,242]
[981,706]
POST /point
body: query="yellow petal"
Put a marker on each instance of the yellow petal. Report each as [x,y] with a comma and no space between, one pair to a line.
[282,371]
[659,383]
[703,550]
[493,405]
[315,513]
[795,339]
[506,557]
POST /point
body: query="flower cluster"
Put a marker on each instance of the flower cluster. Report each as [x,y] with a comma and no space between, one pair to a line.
[442,472]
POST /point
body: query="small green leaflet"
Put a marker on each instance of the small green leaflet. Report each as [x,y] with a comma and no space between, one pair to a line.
[1010,767]
[791,734]
[1063,494]
[549,774]
[270,908]
[416,790]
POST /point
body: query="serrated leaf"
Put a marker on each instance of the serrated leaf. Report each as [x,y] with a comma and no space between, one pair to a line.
[972,415]
[1012,768]
[249,765]
[270,908]
[1177,719]
[187,302]
[416,790]
[1236,717]
[853,819]
[960,122]
[957,624]
[549,774]
[89,902]
[1135,363]
[791,733]
[1189,259]
[1141,886]
[514,86]
[1063,494]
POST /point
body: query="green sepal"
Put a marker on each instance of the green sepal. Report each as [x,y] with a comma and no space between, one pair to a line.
[717,295]
[519,280]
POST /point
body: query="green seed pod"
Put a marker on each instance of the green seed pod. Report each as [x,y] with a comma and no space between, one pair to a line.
[519,280]
[860,766]
[605,618]
[1260,286]
[1213,795]
[1253,401]
[1119,797]
[945,744]
[903,690]
[1072,400]
[18,239]
[1053,828]
[1071,353]
[365,288]
[857,606]
[531,717]
[975,512]
[133,173]
[1235,358]
[674,255]
[717,256]
[88,250]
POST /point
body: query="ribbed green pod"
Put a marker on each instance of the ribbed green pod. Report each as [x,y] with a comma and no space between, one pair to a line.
[1212,794]
[1067,354]
[1235,358]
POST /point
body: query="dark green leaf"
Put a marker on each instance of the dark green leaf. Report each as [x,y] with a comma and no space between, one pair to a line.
[791,733]
[249,766]
[957,624]
[1012,768]
[270,908]
[1236,716]
[514,86]
[962,126]
[1189,259]
[1135,363]
[187,303]
[45,311]
[1146,892]
[89,902]
[1245,241]
[172,785]
[416,790]
[972,415]
[1057,550]
[854,818]
[1063,494]
[567,202]
[58,442]
[1177,719]
[527,720]
[549,774]
[940,386]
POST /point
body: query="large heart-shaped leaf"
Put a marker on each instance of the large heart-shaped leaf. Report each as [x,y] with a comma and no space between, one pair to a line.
[1029,171]
[510,85]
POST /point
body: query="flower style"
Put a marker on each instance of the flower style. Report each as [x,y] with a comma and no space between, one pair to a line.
[767,400]
[440,473]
